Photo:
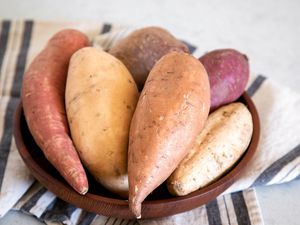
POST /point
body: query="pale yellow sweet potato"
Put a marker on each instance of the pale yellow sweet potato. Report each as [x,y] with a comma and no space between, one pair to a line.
[100,100]
[225,137]
[171,111]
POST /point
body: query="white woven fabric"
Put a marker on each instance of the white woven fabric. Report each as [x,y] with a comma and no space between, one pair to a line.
[276,160]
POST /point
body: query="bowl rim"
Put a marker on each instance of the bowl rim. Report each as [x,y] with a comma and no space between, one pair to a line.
[66,193]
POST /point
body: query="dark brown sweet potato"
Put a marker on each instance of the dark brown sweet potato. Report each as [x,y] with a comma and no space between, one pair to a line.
[140,50]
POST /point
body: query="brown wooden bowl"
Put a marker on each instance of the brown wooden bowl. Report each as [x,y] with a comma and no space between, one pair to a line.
[99,200]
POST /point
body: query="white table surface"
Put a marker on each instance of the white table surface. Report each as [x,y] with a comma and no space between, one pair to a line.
[267,31]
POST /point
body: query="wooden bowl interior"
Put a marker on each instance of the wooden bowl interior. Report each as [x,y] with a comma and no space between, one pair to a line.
[101,201]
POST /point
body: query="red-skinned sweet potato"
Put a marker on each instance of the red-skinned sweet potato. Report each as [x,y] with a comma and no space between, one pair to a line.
[43,94]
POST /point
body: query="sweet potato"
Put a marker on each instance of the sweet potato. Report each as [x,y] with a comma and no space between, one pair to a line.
[171,111]
[101,96]
[228,72]
[43,92]
[142,48]
[224,138]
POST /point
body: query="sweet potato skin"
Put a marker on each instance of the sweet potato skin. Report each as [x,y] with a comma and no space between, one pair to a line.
[228,72]
[224,138]
[43,91]
[101,96]
[141,49]
[171,111]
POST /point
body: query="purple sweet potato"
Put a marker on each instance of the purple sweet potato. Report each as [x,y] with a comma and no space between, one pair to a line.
[228,72]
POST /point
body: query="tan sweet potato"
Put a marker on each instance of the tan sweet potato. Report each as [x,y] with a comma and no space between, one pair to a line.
[43,93]
[171,111]
[100,100]
[140,50]
[224,138]
[228,72]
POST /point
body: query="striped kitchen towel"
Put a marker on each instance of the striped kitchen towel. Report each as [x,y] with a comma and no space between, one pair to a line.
[236,208]
[276,160]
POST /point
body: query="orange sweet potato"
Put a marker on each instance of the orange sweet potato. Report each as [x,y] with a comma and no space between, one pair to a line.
[171,111]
